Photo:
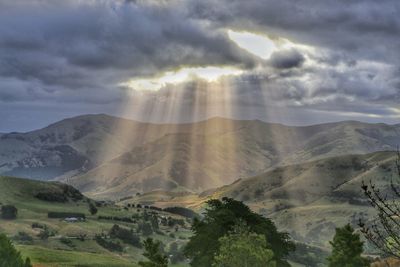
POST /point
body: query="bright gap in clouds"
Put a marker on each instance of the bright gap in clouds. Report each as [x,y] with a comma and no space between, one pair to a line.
[209,73]
[256,44]
[263,46]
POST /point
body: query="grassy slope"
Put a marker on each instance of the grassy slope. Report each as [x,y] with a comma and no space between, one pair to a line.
[52,252]
[308,200]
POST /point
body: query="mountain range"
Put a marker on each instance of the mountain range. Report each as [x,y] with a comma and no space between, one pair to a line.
[106,156]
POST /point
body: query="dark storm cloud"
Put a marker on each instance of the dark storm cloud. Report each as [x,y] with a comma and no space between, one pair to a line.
[100,43]
[77,53]
[286,59]
[368,29]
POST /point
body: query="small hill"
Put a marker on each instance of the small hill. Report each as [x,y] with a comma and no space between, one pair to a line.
[57,242]
[40,196]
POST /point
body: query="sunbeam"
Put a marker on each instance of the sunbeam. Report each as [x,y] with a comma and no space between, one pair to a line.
[199,133]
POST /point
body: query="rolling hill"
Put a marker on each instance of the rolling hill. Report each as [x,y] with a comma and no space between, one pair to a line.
[75,243]
[111,157]
[308,200]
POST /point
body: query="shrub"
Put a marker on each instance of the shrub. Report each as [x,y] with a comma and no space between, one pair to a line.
[111,218]
[154,222]
[82,237]
[108,244]
[92,208]
[61,194]
[45,234]
[62,215]
[182,211]
[172,222]
[67,241]
[39,225]
[126,235]
[23,237]
[9,212]
[176,253]
[146,229]
[51,197]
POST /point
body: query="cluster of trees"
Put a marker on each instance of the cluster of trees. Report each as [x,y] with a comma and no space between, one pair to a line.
[9,212]
[231,235]
[220,219]
[108,244]
[182,211]
[92,208]
[126,235]
[62,215]
[116,218]
[61,194]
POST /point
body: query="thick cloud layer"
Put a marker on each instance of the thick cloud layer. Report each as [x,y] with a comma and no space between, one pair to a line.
[343,61]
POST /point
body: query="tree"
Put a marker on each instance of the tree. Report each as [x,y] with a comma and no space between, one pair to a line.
[126,235]
[346,249]
[154,222]
[9,212]
[9,256]
[176,253]
[154,254]
[242,248]
[219,219]
[146,229]
[92,208]
[384,231]
[44,234]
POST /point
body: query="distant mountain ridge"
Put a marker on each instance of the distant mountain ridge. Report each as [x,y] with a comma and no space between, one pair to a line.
[107,156]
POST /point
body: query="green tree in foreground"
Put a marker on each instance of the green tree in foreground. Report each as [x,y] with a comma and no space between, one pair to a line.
[346,249]
[242,248]
[9,256]
[219,220]
[154,254]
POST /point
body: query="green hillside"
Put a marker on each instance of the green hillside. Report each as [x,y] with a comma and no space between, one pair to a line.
[73,243]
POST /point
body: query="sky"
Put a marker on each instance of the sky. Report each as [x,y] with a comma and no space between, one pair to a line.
[293,62]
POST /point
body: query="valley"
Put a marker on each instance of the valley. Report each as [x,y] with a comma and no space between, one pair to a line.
[133,173]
